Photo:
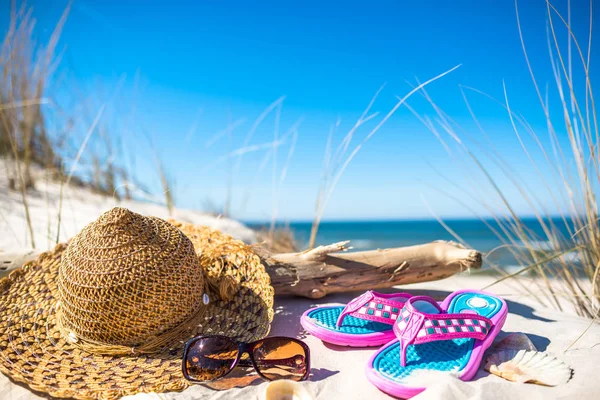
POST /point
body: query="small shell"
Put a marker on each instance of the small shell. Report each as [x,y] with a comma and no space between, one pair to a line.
[515,341]
[287,390]
[528,366]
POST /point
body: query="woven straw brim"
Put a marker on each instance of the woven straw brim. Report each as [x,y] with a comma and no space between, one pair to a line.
[33,352]
[241,305]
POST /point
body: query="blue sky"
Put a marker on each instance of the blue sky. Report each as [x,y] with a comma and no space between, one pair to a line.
[206,64]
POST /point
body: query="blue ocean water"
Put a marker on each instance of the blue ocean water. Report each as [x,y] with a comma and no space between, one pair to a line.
[371,235]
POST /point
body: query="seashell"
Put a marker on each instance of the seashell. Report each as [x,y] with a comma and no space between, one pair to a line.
[514,341]
[528,366]
[286,389]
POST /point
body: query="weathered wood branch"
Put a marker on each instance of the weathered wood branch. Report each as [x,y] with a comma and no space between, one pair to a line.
[325,270]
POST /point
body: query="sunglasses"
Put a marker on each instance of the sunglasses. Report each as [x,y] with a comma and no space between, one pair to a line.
[207,358]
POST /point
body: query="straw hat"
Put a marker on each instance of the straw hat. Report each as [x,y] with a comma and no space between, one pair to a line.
[235,272]
[106,316]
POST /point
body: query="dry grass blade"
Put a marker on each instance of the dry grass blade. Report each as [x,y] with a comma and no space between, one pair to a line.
[543,262]
[66,182]
[165,182]
[334,175]
[277,183]
[254,127]
[22,183]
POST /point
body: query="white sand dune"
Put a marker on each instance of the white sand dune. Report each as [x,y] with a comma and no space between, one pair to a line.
[80,207]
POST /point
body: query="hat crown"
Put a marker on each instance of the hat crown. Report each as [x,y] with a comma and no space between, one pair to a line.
[127,279]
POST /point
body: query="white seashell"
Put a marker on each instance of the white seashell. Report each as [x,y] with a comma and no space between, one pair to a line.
[514,341]
[286,389]
[528,366]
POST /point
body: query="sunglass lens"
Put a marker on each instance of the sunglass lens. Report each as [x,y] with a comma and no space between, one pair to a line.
[210,358]
[279,358]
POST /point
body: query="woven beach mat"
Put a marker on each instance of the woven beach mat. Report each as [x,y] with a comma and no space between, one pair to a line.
[107,315]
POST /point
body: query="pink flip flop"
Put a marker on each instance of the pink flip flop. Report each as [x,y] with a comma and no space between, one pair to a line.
[450,337]
[365,321]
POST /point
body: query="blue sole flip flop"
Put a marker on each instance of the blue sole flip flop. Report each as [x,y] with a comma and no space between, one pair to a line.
[450,337]
[365,321]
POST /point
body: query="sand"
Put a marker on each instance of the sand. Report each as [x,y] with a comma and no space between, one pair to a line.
[337,372]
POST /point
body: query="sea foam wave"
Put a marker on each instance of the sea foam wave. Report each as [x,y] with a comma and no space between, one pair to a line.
[362,244]
[548,246]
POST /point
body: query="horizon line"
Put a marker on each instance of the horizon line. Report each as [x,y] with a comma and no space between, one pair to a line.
[394,219]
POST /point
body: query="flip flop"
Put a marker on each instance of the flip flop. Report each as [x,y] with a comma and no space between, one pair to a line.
[450,337]
[365,321]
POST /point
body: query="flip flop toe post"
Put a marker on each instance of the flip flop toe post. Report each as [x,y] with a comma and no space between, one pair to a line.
[450,337]
[365,321]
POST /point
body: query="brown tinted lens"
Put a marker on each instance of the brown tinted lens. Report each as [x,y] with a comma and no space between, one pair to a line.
[210,358]
[280,359]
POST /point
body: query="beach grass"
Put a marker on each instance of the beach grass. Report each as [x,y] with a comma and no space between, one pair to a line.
[335,163]
[91,159]
[278,240]
[566,267]
[36,130]
[80,148]
[24,71]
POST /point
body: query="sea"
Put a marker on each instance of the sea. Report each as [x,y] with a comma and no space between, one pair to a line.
[475,233]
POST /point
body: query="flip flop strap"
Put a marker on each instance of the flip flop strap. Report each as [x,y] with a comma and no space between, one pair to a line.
[414,327]
[372,307]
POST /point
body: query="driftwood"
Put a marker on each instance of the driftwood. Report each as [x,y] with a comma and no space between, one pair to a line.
[324,270]
[327,269]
